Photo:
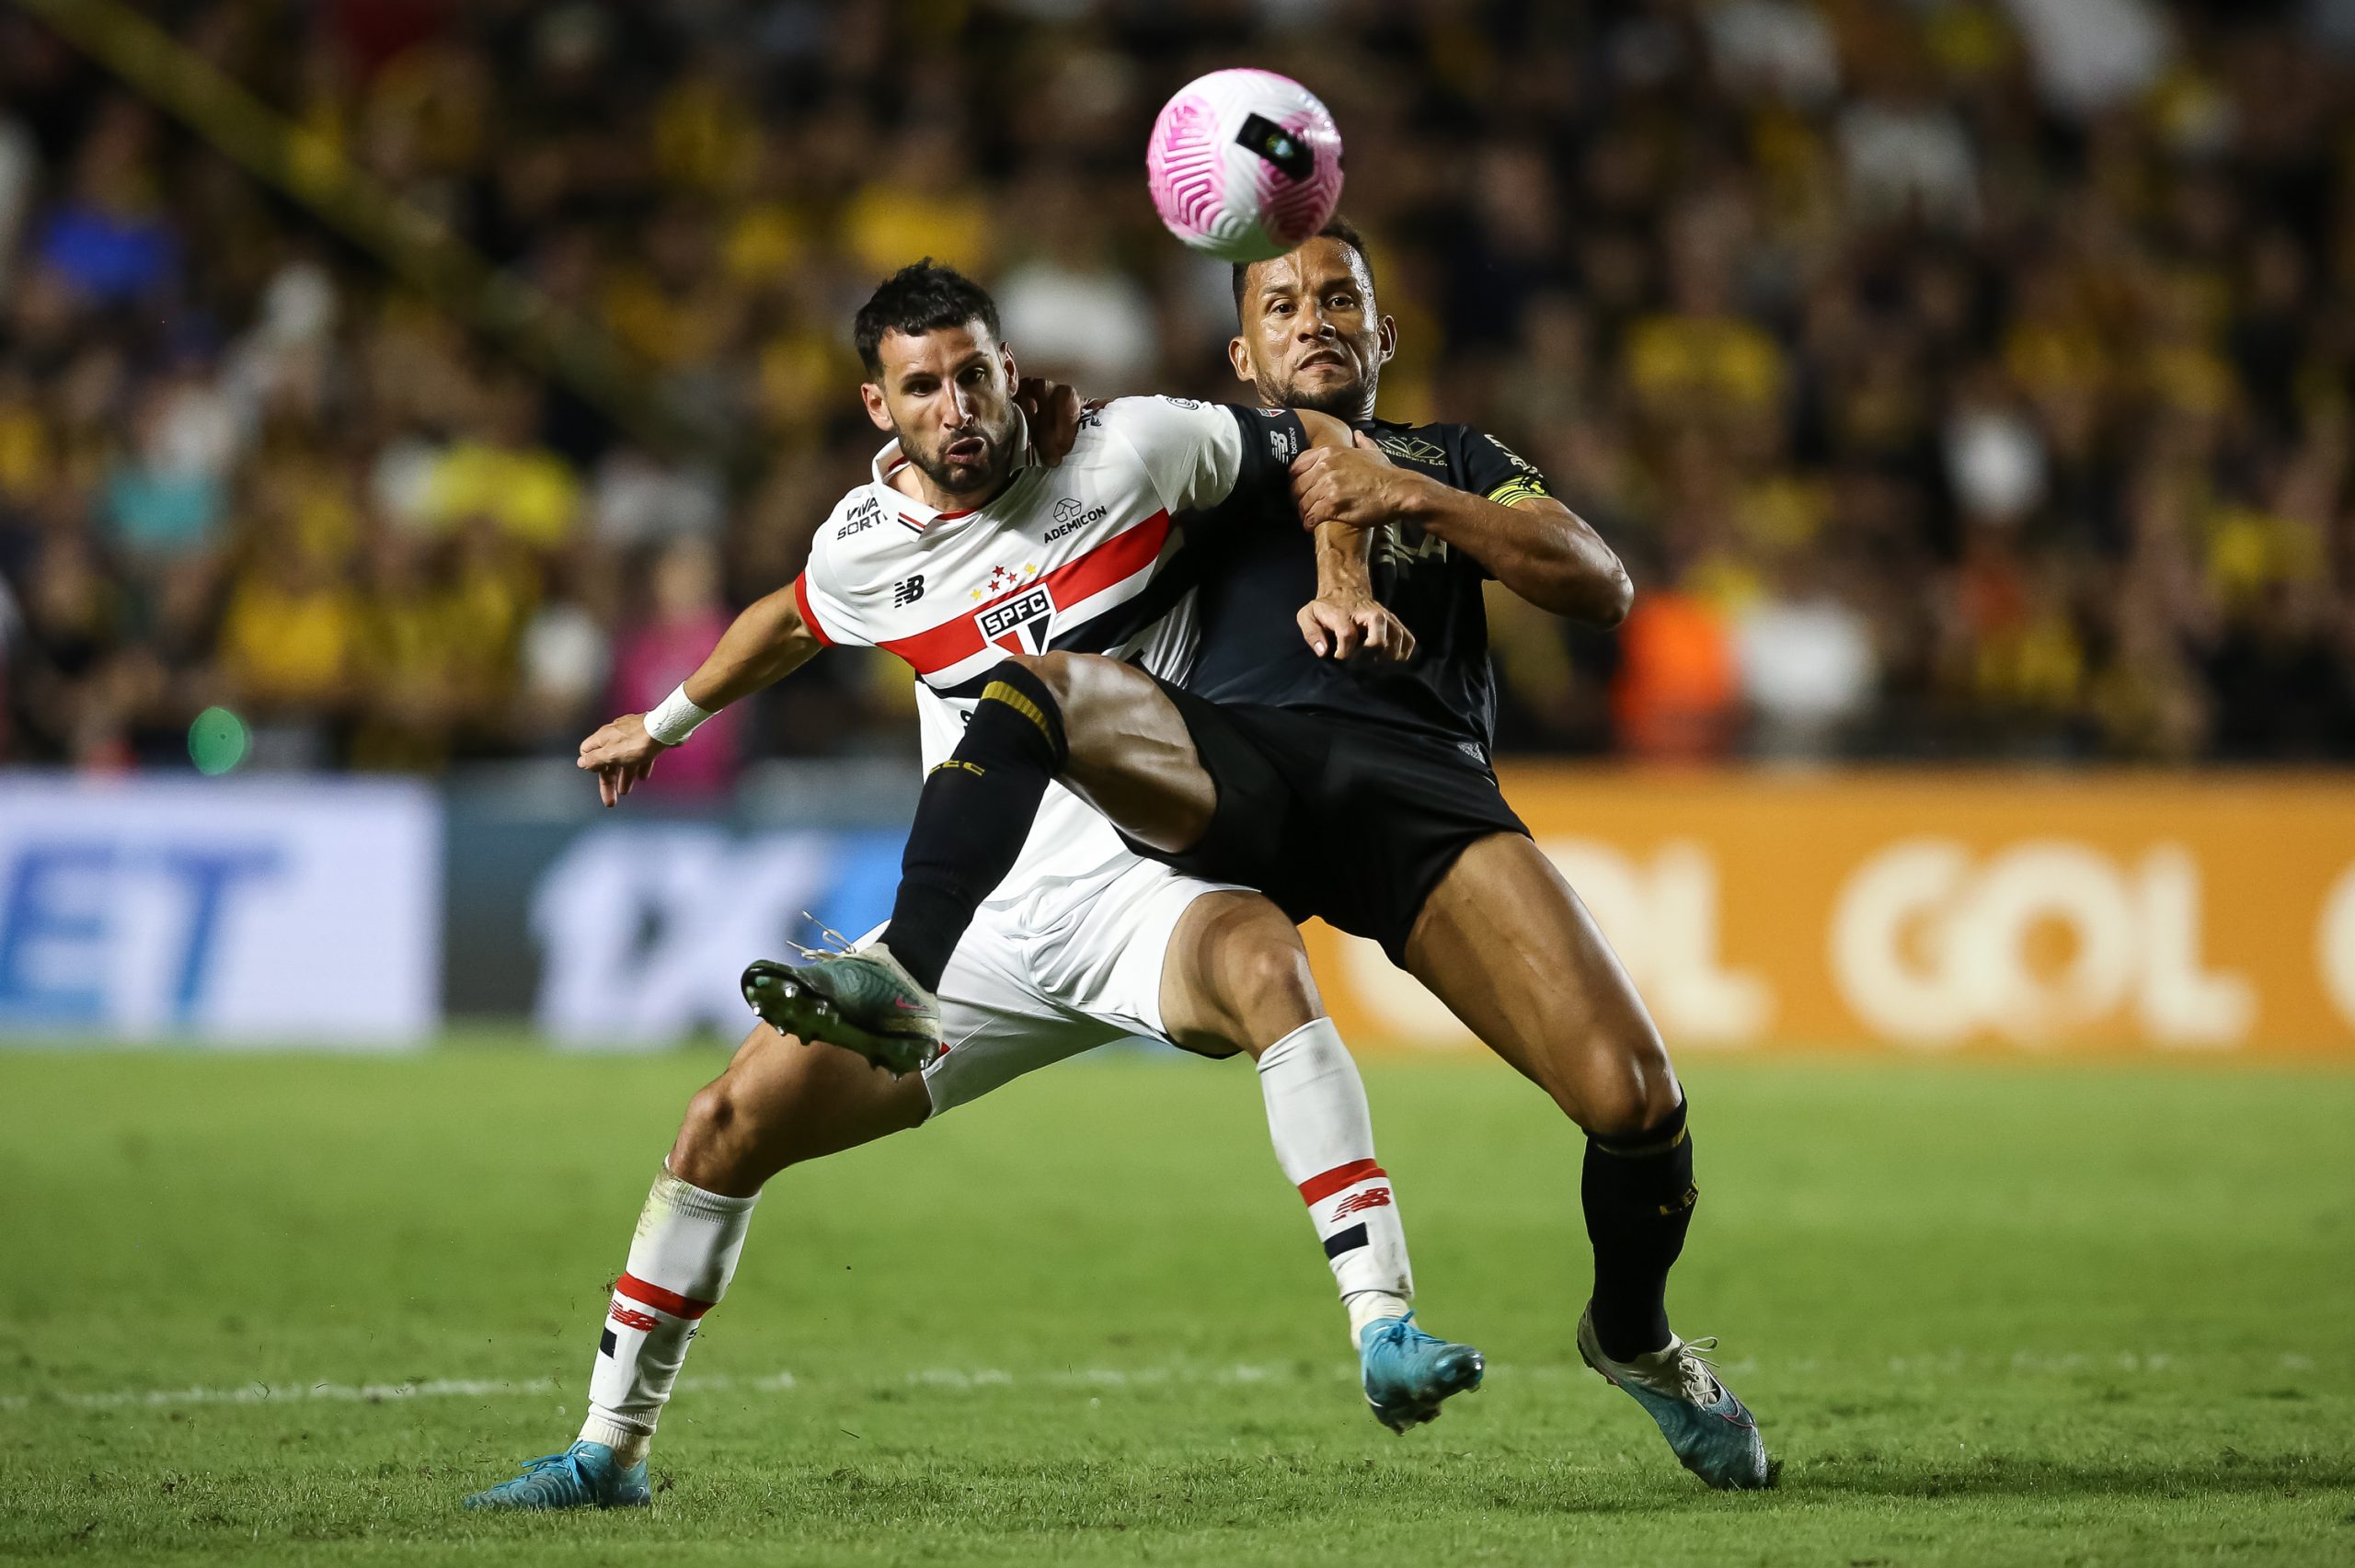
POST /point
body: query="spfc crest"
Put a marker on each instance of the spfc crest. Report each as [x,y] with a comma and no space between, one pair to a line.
[1020,624]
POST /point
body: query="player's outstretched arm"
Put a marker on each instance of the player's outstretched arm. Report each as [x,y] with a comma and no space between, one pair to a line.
[1345,619]
[1538,548]
[1534,545]
[763,646]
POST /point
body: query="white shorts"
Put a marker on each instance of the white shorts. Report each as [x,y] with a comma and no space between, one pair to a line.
[1015,997]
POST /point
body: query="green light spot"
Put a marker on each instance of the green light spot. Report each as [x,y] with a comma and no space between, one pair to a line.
[216,742]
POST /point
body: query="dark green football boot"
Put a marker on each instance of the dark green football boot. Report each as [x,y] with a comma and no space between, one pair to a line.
[863,1002]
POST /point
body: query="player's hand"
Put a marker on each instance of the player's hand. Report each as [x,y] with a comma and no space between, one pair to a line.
[1355,627]
[1052,410]
[621,755]
[1356,485]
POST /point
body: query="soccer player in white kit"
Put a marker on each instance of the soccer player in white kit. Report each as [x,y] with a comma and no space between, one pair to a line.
[965,547]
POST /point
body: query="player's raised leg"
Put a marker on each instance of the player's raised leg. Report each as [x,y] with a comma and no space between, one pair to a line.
[1507,945]
[1116,739]
[1235,972]
[779,1102]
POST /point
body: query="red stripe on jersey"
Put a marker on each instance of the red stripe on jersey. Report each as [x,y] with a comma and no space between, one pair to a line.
[1326,1184]
[809,619]
[1114,561]
[661,1301]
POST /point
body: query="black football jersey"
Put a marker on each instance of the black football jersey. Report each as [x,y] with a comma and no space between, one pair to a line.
[1256,580]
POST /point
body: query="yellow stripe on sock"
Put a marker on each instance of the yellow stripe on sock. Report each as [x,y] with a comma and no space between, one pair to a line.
[1001,691]
[1639,1150]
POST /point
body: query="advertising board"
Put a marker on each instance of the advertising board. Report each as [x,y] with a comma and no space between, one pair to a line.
[232,910]
[2197,915]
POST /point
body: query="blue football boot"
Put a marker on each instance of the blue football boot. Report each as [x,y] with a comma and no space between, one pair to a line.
[586,1475]
[1713,1434]
[1408,1374]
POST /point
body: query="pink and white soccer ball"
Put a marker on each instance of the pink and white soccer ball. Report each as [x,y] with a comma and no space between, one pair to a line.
[1244,165]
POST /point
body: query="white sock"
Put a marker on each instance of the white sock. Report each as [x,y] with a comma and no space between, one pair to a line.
[680,1264]
[1322,1132]
[1372,1307]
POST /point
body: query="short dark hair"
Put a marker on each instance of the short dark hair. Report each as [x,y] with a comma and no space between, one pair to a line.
[1336,227]
[920,298]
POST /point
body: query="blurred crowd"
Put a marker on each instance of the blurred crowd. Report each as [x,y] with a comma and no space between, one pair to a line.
[1958,377]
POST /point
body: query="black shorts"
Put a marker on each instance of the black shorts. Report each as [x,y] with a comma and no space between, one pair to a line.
[1349,821]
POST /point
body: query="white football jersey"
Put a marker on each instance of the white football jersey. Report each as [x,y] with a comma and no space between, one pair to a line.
[1075,556]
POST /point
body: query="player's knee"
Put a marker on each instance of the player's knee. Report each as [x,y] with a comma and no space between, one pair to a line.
[710,1140]
[1270,991]
[1635,1090]
[1059,673]
[1279,971]
[1091,693]
[726,1142]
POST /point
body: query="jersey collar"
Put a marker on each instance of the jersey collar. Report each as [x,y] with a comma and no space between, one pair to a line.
[915,513]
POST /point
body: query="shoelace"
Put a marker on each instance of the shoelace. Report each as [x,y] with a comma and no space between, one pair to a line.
[1698,1371]
[568,1461]
[1401,1333]
[841,946]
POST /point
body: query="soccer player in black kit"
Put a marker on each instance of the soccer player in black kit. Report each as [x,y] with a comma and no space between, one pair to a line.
[1358,793]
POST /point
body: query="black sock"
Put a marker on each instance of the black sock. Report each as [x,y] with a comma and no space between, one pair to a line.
[1639,1195]
[971,820]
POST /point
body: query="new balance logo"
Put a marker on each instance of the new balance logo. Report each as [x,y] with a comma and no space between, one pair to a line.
[907,590]
[631,1318]
[1373,1197]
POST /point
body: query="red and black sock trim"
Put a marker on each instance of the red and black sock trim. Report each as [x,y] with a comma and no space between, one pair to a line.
[1340,1178]
[630,1288]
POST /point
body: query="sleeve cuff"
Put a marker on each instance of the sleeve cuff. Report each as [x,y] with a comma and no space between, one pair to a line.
[809,618]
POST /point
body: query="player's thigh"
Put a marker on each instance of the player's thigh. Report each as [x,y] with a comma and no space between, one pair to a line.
[1131,755]
[1505,943]
[783,1101]
[1236,976]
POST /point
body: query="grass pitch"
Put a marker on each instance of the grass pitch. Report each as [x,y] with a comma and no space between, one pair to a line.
[289,1310]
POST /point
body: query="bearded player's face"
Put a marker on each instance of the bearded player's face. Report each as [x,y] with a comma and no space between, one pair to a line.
[948,395]
[1311,337]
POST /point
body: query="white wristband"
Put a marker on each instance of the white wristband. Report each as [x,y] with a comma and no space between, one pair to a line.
[675,718]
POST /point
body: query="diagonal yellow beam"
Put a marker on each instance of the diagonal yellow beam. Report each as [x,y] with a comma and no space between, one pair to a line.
[416,246]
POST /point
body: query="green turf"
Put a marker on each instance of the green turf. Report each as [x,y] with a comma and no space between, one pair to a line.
[1987,1314]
